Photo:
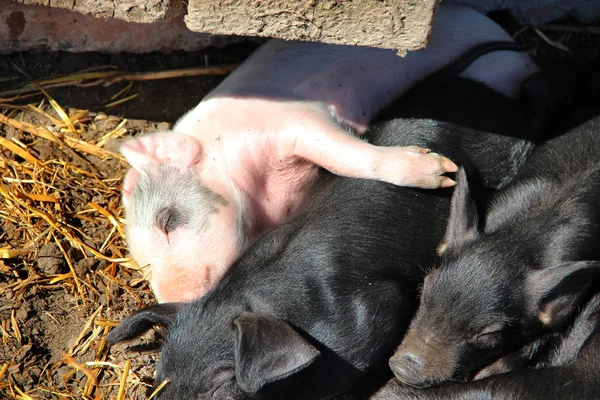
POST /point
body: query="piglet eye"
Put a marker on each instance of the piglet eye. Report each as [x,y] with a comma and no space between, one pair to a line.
[489,336]
[492,328]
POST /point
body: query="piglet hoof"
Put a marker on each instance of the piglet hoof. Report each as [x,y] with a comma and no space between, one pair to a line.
[416,167]
[498,367]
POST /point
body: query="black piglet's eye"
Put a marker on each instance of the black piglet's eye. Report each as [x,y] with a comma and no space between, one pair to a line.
[489,336]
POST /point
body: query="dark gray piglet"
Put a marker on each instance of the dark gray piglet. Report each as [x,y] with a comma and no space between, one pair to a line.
[515,275]
[560,365]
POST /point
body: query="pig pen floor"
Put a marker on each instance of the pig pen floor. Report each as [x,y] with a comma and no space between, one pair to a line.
[64,275]
[65,278]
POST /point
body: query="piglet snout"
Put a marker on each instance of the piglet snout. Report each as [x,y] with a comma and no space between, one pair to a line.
[408,368]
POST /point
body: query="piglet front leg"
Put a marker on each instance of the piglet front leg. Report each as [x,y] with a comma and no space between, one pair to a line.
[338,152]
[413,166]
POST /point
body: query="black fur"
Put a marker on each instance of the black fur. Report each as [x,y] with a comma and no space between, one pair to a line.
[562,366]
[518,276]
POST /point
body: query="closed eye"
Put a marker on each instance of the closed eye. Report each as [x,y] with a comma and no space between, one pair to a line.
[488,337]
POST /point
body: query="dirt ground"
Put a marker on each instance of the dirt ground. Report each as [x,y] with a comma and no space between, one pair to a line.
[65,278]
[64,275]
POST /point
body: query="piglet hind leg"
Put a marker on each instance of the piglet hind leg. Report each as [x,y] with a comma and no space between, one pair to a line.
[344,154]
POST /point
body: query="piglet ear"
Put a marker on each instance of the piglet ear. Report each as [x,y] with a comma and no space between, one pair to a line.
[169,148]
[139,322]
[129,183]
[267,350]
[557,291]
[463,224]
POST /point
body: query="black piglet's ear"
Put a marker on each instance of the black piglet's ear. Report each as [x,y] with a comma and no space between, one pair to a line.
[463,224]
[142,320]
[267,350]
[557,292]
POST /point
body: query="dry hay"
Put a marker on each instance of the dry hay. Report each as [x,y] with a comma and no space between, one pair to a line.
[65,277]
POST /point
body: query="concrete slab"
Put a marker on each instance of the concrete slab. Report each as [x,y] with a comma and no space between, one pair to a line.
[392,24]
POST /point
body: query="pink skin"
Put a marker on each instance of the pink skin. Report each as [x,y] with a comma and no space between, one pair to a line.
[257,142]
[171,283]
